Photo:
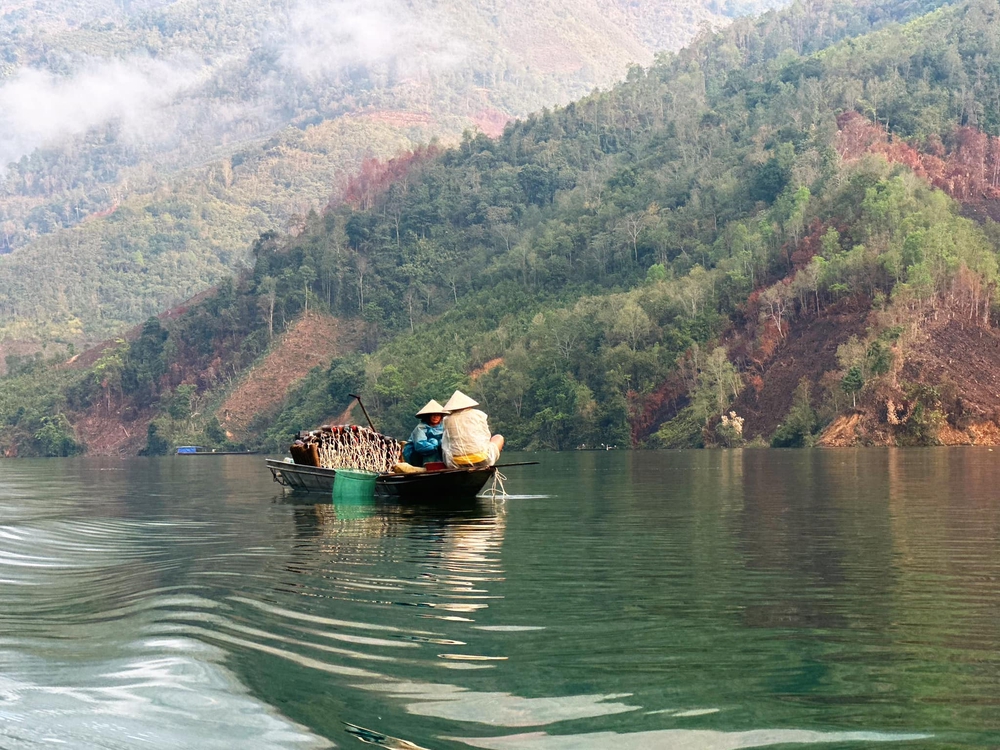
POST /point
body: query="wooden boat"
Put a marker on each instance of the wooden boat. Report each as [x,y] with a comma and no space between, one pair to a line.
[429,487]
[197,450]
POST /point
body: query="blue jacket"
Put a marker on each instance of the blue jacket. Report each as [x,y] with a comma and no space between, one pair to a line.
[424,445]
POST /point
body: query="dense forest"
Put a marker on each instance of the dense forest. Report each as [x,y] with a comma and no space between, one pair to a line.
[625,269]
[174,133]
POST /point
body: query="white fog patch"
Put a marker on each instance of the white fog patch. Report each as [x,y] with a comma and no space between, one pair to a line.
[161,103]
[326,37]
[39,108]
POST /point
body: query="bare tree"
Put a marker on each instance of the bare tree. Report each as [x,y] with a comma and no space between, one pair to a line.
[270,288]
[774,304]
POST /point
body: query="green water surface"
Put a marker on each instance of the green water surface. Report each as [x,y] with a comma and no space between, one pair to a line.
[698,600]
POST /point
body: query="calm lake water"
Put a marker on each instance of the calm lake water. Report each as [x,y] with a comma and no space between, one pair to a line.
[696,600]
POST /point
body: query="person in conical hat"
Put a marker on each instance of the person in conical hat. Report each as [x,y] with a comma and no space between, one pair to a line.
[432,408]
[424,445]
[467,442]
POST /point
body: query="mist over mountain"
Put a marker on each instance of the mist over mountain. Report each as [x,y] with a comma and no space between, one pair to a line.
[91,63]
[39,108]
[244,115]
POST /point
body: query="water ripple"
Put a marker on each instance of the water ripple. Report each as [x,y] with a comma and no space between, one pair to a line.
[704,602]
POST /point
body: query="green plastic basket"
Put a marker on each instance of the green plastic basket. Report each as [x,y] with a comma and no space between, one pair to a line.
[352,486]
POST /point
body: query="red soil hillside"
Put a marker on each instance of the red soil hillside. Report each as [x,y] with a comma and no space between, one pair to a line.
[967,166]
[485,368]
[808,352]
[120,432]
[965,355]
[491,121]
[314,341]
[958,358]
[954,357]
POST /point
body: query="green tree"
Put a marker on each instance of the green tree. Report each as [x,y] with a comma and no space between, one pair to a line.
[108,370]
[180,404]
[143,363]
[269,288]
[800,423]
[631,324]
[852,383]
[717,385]
[55,437]
[156,444]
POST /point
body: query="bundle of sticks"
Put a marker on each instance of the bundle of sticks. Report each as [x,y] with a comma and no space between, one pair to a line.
[346,446]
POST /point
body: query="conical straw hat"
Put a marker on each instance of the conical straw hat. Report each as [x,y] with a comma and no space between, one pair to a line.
[458,401]
[432,407]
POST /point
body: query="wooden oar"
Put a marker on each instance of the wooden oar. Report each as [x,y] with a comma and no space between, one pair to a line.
[363,409]
[519,463]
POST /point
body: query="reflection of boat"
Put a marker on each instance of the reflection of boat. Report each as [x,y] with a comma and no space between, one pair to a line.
[431,486]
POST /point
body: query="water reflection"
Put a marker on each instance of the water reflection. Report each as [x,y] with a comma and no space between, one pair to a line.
[459,558]
[704,600]
[440,560]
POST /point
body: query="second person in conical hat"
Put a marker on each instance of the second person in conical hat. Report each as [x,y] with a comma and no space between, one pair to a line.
[467,442]
[424,445]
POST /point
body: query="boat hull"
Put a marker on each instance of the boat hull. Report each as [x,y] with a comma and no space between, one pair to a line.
[430,487]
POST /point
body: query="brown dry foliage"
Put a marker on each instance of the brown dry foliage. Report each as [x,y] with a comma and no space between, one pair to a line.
[313,341]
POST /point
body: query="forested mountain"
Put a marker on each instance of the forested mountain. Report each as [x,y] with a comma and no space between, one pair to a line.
[144,145]
[758,237]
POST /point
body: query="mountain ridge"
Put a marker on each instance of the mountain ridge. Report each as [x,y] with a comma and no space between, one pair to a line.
[260,109]
[638,260]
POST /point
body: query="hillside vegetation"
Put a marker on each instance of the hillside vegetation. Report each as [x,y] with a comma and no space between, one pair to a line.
[144,145]
[759,237]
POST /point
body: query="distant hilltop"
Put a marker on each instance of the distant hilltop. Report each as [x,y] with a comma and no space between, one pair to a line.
[174,134]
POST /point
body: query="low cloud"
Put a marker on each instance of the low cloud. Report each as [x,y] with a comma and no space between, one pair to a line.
[161,103]
[328,37]
[39,108]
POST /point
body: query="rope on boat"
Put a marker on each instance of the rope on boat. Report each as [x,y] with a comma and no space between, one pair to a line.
[497,487]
